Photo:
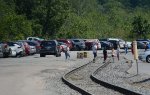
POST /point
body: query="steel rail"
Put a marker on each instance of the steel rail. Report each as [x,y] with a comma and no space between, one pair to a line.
[71,85]
[77,88]
[111,86]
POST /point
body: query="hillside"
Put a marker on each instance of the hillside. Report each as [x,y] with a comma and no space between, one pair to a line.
[70,18]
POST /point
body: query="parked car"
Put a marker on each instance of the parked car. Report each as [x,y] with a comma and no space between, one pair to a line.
[129,44]
[78,44]
[26,45]
[23,47]
[32,46]
[15,49]
[106,44]
[145,56]
[37,45]
[63,46]
[35,39]
[140,45]
[145,41]
[67,41]
[117,41]
[4,49]
[50,48]
[89,43]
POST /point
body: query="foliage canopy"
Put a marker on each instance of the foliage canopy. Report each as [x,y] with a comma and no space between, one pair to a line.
[74,19]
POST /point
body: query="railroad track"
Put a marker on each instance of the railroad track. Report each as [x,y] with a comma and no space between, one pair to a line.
[82,80]
[109,85]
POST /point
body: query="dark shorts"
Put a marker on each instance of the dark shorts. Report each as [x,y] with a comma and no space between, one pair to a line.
[95,55]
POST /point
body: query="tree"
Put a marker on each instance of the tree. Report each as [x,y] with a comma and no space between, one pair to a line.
[51,14]
[141,27]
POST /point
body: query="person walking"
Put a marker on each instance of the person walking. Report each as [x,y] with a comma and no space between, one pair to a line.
[118,52]
[66,51]
[126,47]
[113,54]
[105,54]
[94,49]
[132,48]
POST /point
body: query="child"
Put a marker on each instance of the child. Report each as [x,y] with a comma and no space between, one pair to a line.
[105,54]
[113,54]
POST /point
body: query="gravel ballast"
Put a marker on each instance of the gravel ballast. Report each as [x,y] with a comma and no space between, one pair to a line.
[116,74]
[81,78]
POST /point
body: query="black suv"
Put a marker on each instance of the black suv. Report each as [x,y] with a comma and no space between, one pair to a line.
[50,48]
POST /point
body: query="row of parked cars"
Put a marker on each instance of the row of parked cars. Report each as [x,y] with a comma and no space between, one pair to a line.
[34,45]
[19,48]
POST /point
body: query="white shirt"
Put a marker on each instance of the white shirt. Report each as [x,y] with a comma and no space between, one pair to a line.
[94,48]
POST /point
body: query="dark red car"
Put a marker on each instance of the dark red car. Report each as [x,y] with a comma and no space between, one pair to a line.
[67,41]
[89,43]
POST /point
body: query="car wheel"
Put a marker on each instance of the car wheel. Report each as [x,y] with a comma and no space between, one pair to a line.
[5,55]
[42,55]
[148,59]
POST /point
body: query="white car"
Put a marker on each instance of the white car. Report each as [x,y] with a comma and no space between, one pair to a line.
[145,56]
[15,49]
[129,44]
[34,39]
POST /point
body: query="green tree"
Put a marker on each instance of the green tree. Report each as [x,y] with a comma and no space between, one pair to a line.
[16,27]
[51,14]
[141,27]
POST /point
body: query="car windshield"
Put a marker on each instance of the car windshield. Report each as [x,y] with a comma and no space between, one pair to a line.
[31,43]
[48,43]
[61,43]
[76,40]
[10,44]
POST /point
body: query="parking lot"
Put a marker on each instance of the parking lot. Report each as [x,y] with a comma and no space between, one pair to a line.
[35,75]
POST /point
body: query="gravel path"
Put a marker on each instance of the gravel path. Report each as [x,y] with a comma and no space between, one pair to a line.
[33,75]
[81,78]
[115,73]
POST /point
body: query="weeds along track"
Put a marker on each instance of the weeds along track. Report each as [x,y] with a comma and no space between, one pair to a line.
[79,79]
